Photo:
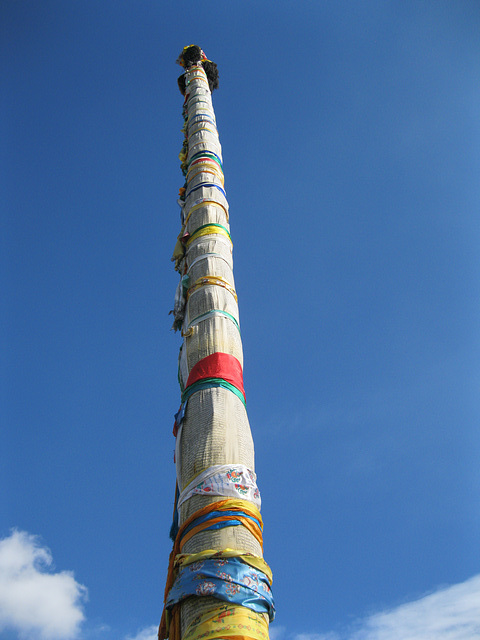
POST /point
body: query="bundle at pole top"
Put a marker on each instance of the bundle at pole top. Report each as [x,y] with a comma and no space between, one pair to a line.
[193,55]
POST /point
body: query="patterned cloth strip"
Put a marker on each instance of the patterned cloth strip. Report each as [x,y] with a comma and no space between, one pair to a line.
[228,621]
[233,481]
[227,579]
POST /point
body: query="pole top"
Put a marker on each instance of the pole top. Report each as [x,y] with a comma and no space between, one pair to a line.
[192,55]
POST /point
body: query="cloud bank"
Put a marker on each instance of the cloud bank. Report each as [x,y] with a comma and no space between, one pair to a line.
[34,602]
[450,613]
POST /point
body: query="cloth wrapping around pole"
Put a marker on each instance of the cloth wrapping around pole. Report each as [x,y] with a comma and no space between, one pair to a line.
[212,428]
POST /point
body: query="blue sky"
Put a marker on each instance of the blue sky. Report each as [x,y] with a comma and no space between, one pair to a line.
[351,140]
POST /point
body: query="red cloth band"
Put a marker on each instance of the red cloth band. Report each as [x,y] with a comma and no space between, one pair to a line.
[218,365]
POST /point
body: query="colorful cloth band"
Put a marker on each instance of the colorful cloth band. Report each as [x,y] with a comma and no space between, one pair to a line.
[201,169]
[202,385]
[246,514]
[201,203]
[200,118]
[184,559]
[205,185]
[224,513]
[204,162]
[211,313]
[205,154]
[209,281]
[229,481]
[210,383]
[227,579]
[209,229]
[220,520]
[228,621]
[218,365]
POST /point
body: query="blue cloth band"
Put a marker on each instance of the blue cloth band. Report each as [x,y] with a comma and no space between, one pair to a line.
[227,579]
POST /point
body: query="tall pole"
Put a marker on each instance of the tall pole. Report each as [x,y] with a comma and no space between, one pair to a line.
[218,584]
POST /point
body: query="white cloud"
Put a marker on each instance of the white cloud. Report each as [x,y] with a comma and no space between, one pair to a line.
[450,613]
[149,633]
[34,602]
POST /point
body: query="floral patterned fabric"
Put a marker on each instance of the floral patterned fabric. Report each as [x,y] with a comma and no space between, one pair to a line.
[235,481]
[227,579]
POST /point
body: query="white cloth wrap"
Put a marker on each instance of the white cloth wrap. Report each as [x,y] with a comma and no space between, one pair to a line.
[227,480]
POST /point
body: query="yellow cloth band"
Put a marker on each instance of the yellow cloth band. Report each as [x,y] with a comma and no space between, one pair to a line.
[217,174]
[202,204]
[207,231]
[192,133]
[228,621]
[199,77]
[212,280]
